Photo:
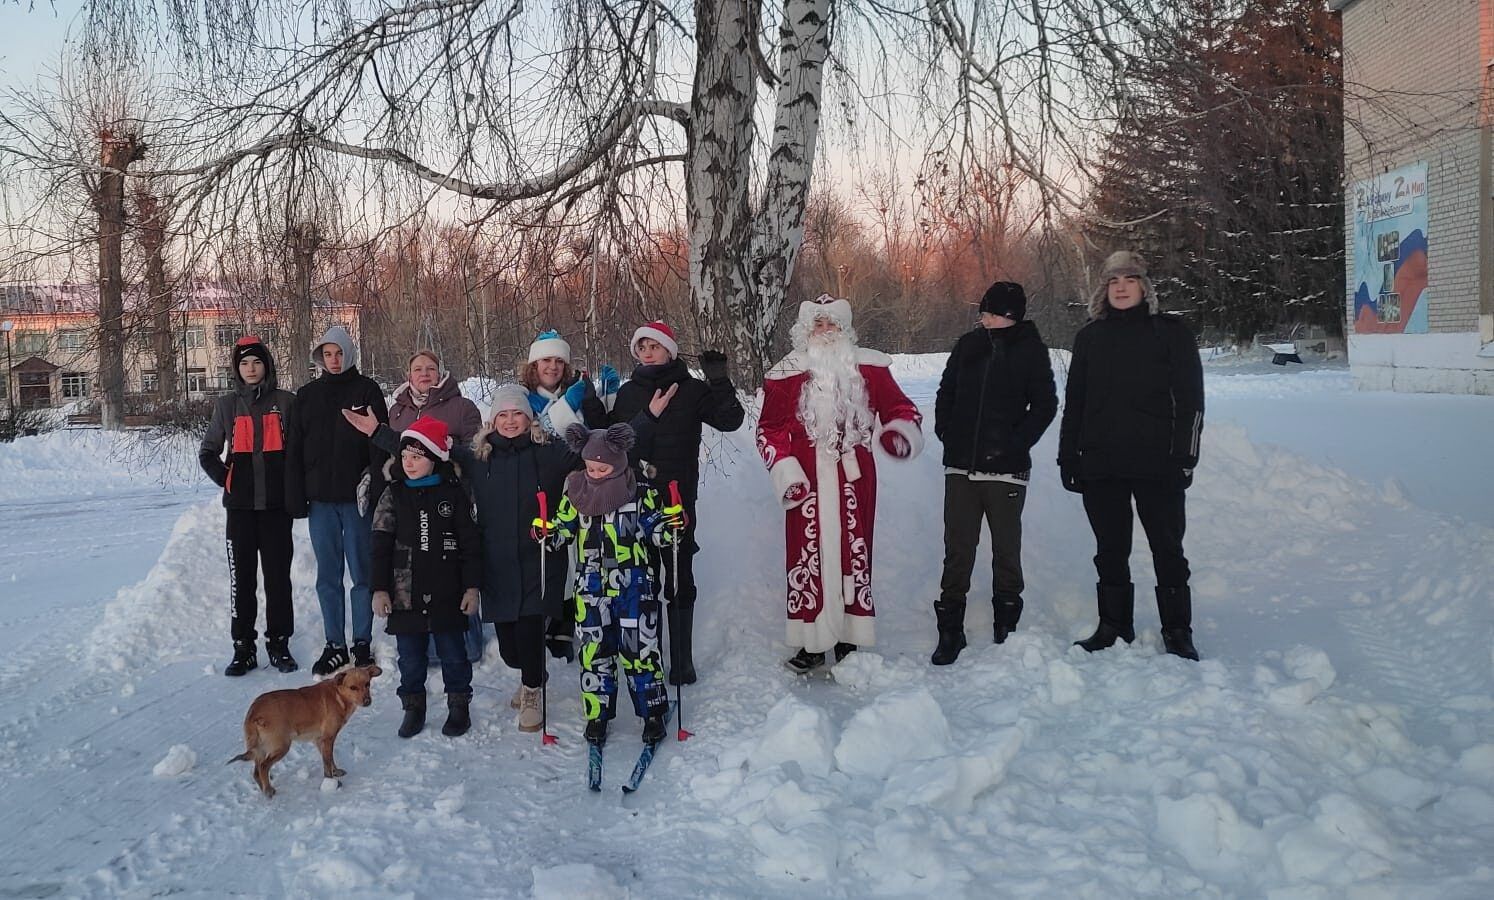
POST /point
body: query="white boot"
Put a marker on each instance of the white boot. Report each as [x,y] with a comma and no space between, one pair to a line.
[517,699]
[530,719]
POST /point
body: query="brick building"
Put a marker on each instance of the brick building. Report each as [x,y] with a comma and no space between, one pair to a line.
[1419,218]
[53,346]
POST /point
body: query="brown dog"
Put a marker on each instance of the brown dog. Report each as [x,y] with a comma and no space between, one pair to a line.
[313,713]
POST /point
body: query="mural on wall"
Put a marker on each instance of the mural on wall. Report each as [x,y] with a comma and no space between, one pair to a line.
[1390,252]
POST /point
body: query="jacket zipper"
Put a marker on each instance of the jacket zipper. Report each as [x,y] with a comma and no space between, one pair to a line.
[980,409]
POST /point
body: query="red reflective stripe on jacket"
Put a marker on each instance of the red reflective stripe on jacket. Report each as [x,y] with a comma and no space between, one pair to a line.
[228,480]
[243,434]
[273,440]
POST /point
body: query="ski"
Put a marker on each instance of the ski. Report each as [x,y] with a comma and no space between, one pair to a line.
[646,757]
[594,766]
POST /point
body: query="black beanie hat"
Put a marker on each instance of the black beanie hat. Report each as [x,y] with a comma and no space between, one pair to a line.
[250,346]
[1005,298]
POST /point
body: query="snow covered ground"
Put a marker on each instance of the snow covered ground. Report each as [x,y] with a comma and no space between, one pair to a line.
[1337,739]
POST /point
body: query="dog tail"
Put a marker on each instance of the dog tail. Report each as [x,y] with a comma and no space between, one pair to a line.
[246,756]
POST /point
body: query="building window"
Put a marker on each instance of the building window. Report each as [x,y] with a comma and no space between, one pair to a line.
[226,335]
[72,340]
[74,385]
[268,334]
[149,382]
[196,337]
[225,378]
[196,381]
[31,343]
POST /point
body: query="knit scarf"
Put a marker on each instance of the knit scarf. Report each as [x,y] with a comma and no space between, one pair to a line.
[597,497]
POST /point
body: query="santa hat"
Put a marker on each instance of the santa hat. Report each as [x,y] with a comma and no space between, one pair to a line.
[430,433]
[825,307]
[548,344]
[658,331]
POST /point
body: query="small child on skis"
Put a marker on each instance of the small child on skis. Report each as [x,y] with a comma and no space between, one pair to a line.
[612,519]
[427,568]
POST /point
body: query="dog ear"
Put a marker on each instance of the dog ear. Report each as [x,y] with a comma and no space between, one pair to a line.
[374,671]
[340,678]
[620,436]
[575,437]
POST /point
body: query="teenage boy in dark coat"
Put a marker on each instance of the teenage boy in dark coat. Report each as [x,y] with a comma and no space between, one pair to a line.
[328,459]
[673,448]
[250,421]
[995,400]
[1132,419]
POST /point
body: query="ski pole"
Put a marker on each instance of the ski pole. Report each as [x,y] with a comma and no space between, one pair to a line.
[546,738]
[674,584]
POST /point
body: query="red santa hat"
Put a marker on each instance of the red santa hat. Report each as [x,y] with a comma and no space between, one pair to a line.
[430,433]
[825,306]
[658,331]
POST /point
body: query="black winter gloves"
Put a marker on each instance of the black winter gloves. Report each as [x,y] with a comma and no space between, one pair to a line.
[713,365]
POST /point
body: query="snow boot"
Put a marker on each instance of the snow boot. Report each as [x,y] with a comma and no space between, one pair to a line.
[1175,609]
[1117,603]
[458,715]
[950,617]
[362,655]
[596,732]
[334,657]
[517,700]
[244,659]
[842,650]
[681,663]
[414,721]
[805,662]
[653,728]
[1008,609]
[280,655]
[530,719]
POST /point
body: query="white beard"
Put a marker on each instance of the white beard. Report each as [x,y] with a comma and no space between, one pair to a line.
[833,404]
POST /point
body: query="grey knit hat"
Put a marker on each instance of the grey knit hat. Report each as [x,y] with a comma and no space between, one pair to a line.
[512,396]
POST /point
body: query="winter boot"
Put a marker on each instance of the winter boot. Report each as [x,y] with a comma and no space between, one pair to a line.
[334,657]
[1175,609]
[458,716]
[362,655]
[280,655]
[244,659]
[653,728]
[805,662]
[950,617]
[517,700]
[1008,609]
[596,732]
[842,650]
[681,663]
[530,718]
[1117,603]
[414,721]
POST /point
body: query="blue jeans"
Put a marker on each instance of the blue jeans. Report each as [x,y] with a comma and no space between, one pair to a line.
[474,637]
[456,669]
[339,536]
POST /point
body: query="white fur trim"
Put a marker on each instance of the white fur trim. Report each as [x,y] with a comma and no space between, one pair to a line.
[648,331]
[910,432]
[561,415]
[837,311]
[786,473]
[442,453]
[548,347]
[793,363]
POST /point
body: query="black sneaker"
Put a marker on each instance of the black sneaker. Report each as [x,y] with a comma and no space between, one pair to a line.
[596,732]
[280,655]
[653,729]
[334,657]
[244,659]
[805,662]
[842,650]
[362,654]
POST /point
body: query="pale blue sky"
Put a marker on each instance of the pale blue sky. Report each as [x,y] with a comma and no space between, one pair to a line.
[31,40]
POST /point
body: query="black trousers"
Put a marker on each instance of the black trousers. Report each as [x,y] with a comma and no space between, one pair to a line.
[260,538]
[1159,505]
[679,587]
[966,503]
[522,646]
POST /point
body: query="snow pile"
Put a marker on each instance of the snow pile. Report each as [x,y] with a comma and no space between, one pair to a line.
[179,760]
[88,462]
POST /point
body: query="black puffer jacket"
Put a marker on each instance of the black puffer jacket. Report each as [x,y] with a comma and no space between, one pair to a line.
[674,444]
[252,422]
[426,553]
[995,400]
[1134,404]
[327,455]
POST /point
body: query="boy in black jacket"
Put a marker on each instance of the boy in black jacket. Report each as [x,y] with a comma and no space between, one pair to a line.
[427,568]
[251,420]
[328,459]
[1132,419]
[674,450]
[995,400]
